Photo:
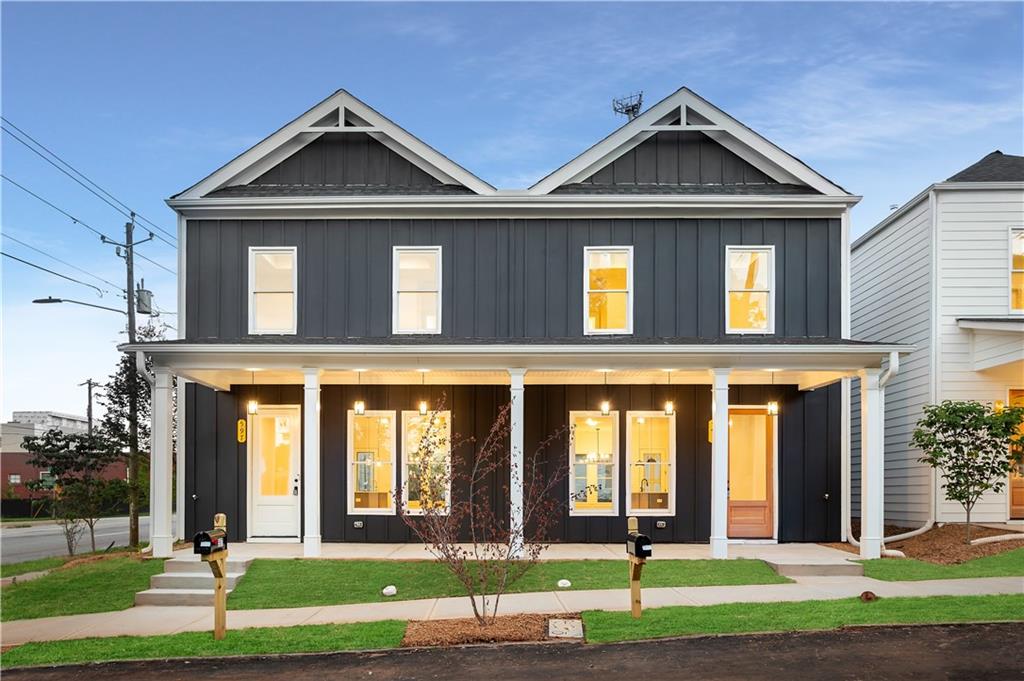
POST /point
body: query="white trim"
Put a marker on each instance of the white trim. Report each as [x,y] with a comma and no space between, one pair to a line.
[719,538]
[1012,230]
[587,331]
[396,254]
[770,250]
[516,467]
[670,510]
[253,250]
[179,460]
[844,276]
[407,416]
[1009,482]
[182,273]
[250,480]
[349,451]
[616,461]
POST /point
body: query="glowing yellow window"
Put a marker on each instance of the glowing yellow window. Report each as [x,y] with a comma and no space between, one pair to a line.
[593,456]
[275,455]
[427,457]
[609,280]
[749,280]
[1017,270]
[371,462]
[650,452]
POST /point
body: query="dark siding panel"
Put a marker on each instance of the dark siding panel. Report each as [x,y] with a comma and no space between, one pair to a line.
[817,278]
[794,262]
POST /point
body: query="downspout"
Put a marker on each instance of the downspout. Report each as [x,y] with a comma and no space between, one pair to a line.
[140,366]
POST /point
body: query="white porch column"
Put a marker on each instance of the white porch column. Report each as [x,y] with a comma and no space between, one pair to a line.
[311,463]
[872,464]
[515,487]
[179,464]
[161,534]
[720,463]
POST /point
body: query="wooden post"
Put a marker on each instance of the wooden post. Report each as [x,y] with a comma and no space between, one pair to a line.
[636,566]
[218,566]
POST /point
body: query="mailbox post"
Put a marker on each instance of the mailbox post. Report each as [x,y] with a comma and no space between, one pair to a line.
[638,548]
[212,547]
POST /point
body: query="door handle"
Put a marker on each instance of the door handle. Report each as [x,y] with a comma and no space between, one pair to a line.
[295,487]
[194,497]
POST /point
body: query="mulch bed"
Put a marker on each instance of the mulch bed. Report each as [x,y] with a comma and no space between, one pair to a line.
[943,545]
[505,629]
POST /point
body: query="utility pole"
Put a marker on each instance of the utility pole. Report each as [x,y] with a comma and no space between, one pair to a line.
[91,384]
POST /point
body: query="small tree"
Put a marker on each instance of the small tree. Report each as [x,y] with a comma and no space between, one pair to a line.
[453,501]
[974,445]
[77,463]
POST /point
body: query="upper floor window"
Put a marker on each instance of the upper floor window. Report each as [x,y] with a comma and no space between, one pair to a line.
[1017,269]
[14,478]
[417,290]
[608,283]
[750,289]
[273,278]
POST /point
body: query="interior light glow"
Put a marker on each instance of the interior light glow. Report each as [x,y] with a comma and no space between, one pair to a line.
[252,407]
[359,407]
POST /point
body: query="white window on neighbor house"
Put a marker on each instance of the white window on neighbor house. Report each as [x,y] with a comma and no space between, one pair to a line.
[426,460]
[14,479]
[650,461]
[1017,270]
[594,463]
[750,289]
[608,290]
[416,305]
[371,462]
[273,286]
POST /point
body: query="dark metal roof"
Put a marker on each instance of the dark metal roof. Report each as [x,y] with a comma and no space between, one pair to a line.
[272,190]
[684,189]
[995,167]
[582,340]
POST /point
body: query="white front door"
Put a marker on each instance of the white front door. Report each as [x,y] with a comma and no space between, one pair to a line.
[274,472]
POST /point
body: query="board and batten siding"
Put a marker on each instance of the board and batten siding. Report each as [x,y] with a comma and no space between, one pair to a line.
[513,278]
[891,301]
[973,281]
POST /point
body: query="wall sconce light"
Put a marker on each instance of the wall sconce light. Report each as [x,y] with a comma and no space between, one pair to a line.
[359,408]
[252,407]
[423,407]
[998,406]
[669,408]
[606,408]
[773,408]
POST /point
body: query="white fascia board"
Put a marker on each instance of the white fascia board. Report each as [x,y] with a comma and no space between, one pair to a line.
[979,186]
[737,137]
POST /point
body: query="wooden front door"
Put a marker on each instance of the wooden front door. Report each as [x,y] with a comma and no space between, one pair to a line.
[1017,476]
[751,445]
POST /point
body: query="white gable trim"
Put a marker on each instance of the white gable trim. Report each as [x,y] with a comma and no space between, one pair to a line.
[303,130]
[724,129]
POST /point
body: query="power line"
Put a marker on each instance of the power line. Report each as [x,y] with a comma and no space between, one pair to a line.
[99,191]
[49,271]
[64,262]
[79,222]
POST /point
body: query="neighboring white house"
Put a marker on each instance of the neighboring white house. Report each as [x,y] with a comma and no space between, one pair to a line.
[945,273]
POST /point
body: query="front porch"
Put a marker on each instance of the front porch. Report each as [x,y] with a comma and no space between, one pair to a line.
[326,382]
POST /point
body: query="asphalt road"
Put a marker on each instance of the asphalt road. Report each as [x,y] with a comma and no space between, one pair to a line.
[977,652]
[42,540]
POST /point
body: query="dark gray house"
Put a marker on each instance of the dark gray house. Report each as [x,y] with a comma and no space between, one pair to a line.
[677,295]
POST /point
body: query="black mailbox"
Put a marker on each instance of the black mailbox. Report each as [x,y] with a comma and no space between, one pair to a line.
[211,541]
[638,545]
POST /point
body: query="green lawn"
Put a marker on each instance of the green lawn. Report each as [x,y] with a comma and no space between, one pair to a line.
[271,583]
[265,641]
[14,569]
[98,586]
[1009,564]
[732,618]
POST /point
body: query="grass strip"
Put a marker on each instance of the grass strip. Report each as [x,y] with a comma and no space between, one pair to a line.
[1009,564]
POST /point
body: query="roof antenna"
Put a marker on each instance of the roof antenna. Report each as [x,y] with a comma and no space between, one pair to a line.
[630,105]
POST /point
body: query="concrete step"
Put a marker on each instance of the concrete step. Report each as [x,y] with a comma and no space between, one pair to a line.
[194,565]
[191,580]
[175,597]
[848,569]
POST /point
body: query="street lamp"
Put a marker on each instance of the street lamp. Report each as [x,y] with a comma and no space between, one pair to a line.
[50,299]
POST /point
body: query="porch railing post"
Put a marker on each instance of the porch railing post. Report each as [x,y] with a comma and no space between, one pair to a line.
[162,536]
[720,463]
[516,472]
[872,464]
[311,463]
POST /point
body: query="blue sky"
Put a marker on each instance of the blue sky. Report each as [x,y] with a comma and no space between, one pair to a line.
[148,98]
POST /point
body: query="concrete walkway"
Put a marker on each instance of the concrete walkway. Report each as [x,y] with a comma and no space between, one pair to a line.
[153,620]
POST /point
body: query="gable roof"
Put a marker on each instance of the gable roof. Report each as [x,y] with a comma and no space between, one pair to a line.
[340,113]
[994,167]
[685,111]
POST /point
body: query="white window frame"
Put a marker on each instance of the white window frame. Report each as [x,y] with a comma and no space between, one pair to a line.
[671,508]
[587,331]
[11,480]
[253,250]
[1014,230]
[616,460]
[770,250]
[349,462]
[396,254]
[407,416]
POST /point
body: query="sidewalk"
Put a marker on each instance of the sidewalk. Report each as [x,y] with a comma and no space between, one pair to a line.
[154,620]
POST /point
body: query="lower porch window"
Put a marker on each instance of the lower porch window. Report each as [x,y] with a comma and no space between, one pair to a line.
[371,455]
[593,457]
[427,455]
[651,456]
